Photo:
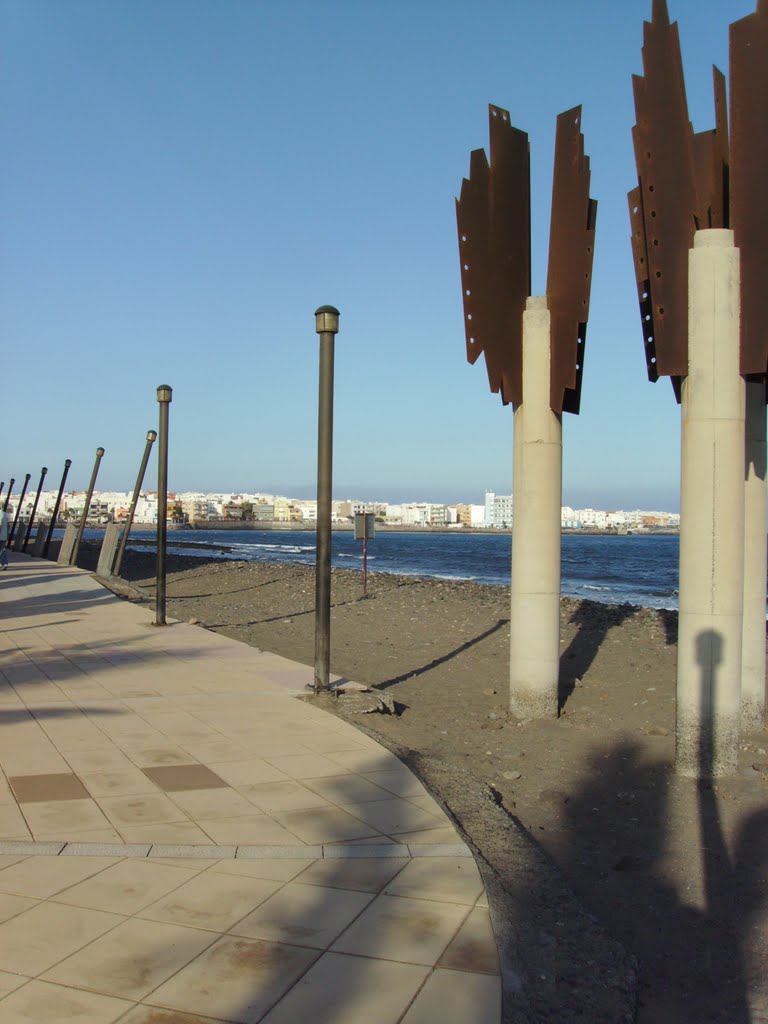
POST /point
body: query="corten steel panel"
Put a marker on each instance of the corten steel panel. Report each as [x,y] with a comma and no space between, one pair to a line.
[749,179]
[494,224]
[569,274]
[710,154]
[663,140]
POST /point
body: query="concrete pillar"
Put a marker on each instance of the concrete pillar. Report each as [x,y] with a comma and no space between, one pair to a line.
[537,492]
[40,538]
[108,551]
[67,549]
[755,555]
[711,515]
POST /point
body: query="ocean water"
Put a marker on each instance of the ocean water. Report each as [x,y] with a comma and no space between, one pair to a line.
[637,569]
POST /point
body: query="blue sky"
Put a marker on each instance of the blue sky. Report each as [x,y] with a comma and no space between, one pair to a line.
[184,181]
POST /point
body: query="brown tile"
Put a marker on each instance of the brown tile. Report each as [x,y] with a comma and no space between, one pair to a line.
[38,788]
[177,777]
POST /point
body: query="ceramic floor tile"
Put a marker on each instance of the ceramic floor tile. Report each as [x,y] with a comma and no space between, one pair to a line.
[278,870]
[306,766]
[154,755]
[430,836]
[13,823]
[236,979]
[184,832]
[48,932]
[126,887]
[439,878]
[213,901]
[11,906]
[398,928]
[305,915]
[282,796]
[41,877]
[364,874]
[349,990]
[108,760]
[473,948]
[141,809]
[8,983]
[74,835]
[47,788]
[248,772]
[212,804]
[367,761]
[63,817]
[348,789]
[132,960]
[458,997]
[156,1015]
[249,830]
[42,1003]
[180,777]
[124,782]
[324,825]
[391,817]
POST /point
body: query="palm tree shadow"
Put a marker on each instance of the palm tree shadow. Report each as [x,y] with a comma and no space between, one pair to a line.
[594,620]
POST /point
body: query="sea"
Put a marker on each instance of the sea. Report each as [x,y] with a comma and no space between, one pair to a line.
[639,569]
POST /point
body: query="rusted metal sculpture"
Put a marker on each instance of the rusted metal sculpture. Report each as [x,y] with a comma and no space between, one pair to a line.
[493,216]
[688,182]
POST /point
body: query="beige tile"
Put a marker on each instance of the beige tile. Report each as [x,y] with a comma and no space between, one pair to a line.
[251,771]
[6,794]
[43,1003]
[279,870]
[126,782]
[148,756]
[213,750]
[474,947]
[10,982]
[304,915]
[74,835]
[428,803]
[63,817]
[430,836]
[132,959]
[282,796]
[41,877]
[108,760]
[212,804]
[140,809]
[366,761]
[30,759]
[306,766]
[398,928]
[11,906]
[249,830]
[46,933]
[236,979]
[13,825]
[155,1015]
[393,816]
[349,990]
[213,901]
[456,880]
[324,825]
[348,789]
[184,832]
[364,874]
[126,887]
[458,997]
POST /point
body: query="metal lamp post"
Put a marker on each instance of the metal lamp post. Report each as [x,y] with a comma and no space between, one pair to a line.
[18,508]
[151,436]
[327,326]
[8,495]
[164,397]
[86,508]
[55,516]
[31,523]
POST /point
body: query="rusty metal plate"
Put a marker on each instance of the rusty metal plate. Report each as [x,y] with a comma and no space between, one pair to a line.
[569,274]
[749,179]
[494,224]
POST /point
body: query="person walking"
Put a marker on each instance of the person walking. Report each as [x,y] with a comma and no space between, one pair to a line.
[3,539]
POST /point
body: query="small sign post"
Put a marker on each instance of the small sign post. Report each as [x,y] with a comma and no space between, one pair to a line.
[365,530]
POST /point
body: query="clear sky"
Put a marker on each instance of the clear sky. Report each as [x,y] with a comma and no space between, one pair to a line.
[184,181]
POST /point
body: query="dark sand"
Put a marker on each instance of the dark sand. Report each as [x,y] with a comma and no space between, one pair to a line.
[673,875]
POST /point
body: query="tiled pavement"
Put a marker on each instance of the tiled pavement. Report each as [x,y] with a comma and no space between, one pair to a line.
[182,841]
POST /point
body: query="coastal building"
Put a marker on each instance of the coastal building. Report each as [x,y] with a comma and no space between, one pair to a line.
[499,510]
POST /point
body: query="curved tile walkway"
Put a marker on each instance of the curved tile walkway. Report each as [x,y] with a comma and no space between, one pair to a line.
[183,841]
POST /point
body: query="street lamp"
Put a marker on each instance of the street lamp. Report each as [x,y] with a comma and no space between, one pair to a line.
[8,495]
[164,397]
[54,517]
[327,326]
[18,508]
[84,516]
[151,436]
[31,522]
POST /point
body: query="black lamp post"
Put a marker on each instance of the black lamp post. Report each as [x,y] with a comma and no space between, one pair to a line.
[8,495]
[327,326]
[55,516]
[18,508]
[43,471]
[151,436]
[164,397]
[89,495]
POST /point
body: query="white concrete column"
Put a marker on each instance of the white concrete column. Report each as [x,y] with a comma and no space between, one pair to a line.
[537,492]
[755,554]
[711,515]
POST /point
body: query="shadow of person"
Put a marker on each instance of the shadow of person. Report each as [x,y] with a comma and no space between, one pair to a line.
[594,620]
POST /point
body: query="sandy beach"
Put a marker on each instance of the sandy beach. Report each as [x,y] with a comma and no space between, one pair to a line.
[670,877]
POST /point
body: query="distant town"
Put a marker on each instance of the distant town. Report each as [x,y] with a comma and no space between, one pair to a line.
[227,509]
